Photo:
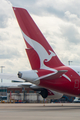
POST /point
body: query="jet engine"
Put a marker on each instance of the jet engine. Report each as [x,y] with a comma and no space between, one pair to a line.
[32,76]
[46,93]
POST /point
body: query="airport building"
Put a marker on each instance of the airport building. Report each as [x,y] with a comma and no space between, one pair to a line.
[16,94]
[26,95]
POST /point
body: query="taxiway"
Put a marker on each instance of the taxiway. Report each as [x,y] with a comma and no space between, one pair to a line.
[51,111]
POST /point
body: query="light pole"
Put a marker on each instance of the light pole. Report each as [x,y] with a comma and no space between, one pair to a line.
[2,71]
[69,62]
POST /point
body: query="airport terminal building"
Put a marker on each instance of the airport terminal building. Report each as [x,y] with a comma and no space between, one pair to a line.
[26,95]
[16,94]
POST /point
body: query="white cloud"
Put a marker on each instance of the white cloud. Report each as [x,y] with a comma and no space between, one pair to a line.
[12,47]
[73,18]
[58,20]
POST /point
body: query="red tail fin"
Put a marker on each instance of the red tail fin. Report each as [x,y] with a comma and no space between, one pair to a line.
[40,54]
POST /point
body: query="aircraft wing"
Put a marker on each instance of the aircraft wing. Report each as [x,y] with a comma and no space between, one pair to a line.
[7,85]
[25,85]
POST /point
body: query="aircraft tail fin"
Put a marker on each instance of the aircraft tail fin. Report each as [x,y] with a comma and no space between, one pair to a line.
[40,53]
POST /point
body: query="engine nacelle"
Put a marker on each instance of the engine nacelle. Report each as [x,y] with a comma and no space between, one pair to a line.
[46,93]
[49,94]
[32,76]
[28,76]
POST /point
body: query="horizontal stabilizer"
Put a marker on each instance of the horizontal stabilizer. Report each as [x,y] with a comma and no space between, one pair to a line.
[52,76]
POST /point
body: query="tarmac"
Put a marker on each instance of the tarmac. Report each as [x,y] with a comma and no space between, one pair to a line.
[53,111]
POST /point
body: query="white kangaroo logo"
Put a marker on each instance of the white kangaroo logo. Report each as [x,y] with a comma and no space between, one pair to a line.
[42,53]
[50,56]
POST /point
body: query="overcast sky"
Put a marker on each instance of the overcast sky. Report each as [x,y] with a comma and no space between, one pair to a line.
[58,20]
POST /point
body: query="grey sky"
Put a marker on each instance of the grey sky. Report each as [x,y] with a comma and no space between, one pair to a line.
[59,21]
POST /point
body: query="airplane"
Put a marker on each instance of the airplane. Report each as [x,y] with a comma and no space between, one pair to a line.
[47,69]
[48,75]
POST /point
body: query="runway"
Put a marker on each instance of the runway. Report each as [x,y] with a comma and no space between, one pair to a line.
[51,111]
